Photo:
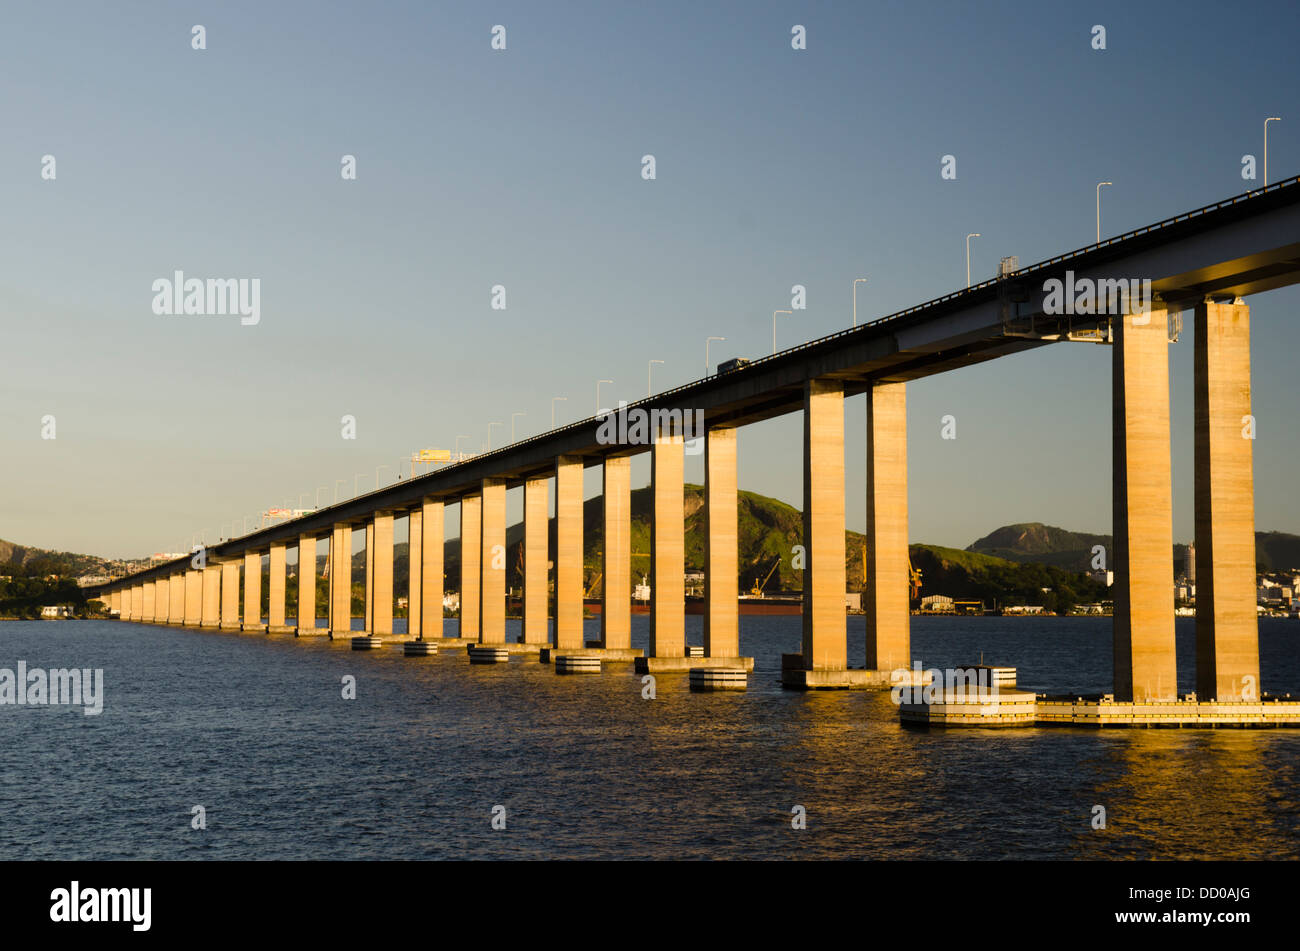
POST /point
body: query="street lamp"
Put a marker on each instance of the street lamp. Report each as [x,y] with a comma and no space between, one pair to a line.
[598,382]
[973,234]
[512,424]
[1099,184]
[336,489]
[856,282]
[706,352]
[774,313]
[458,439]
[490,425]
[649,378]
[1266,122]
[555,399]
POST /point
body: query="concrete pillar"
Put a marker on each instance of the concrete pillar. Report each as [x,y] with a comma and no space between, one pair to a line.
[193,597]
[568,552]
[721,558]
[148,602]
[340,619]
[368,610]
[825,639]
[492,563]
[471,511]
[616,554]
[536,551]
[1227,624]
[667,547]
[382,581]
[1143,560]
[432,543]
[176,599]
[886,598]
[137,603]
[253,592]
[306,584]
[115,601]
[230,595]
[161,600]
[275,589]
[210,615]
[414,531]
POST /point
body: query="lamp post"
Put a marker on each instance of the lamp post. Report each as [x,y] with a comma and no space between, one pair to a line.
[554,400]
[598,382]
[649,378]
[490,425]
[512,424]
[973,234]
[319,489]
[1099,184]
[707,341]
[856,282]
[1266,122]
[774,313]
[337,482]
[458,439]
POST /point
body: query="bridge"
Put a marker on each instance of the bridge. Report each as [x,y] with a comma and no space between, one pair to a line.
[1205,261]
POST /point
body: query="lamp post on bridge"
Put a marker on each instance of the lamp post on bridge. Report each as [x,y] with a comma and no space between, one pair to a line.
[378,469]
[707,341]
[554,400]
[774,313]
[1266,122]
[973,234]
[512,425]
[598,382]
[490,425]
[336,489]
[649,378]
[318,492]
[458,439]
[1099,184]
[856,282]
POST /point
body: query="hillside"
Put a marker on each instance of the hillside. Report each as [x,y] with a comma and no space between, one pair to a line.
[972,576]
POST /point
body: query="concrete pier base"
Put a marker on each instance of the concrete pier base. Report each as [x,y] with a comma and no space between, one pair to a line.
[420,649]
[795,676]
[577,663]
[311,631]
[495,654]
[281,629]
[609,655]
[664,665]
[253,628]
[713,679]
[367,642]
[973,709]
[231,626]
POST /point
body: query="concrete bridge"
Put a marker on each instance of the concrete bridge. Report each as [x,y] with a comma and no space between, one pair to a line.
[1205,262]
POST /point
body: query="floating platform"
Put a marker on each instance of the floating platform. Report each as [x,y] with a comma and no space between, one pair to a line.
[496,654]
[420,649]
[367,642]
[710,679]
[577,664]
[1003,708]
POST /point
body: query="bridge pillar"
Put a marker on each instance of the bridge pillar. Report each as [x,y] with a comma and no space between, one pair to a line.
[667,547]
[115,601]
[176,599]
[161,600]
[721,568]
[471,541]
[210,614]
[1145,666]
[414,550]
[193,597]
[230,595]
[885,600]
[253,592]
[275,589]
[306,585]
[432,543]
[340,581]
[568,552]
[147,602]
[536,549]
[492,563]
[1227,624]
[616,557]
[379,574]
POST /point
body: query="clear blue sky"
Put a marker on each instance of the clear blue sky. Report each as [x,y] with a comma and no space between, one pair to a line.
[522,168]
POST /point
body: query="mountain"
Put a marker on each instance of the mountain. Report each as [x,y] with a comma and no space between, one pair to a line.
[972,576]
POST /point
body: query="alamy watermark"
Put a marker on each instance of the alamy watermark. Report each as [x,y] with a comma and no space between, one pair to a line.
[1111,296]
[939,686]
[638,427]
[212,297]
[62,686]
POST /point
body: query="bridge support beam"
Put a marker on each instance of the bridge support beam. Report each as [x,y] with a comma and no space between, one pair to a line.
[134,602]
[306,585]
[492,564]
[115,602]
[275,589]
[253,593]
[414,551]
[148,602]
[471,543]
[1227,623]
[211,611]
[1145,666]
[568,552]
[722,526]
[193,597]
[667,548]
[161,600]
[379,574]
[885,601]
[432,530]
[176,598]
[340,581]
[230,595]
[616,557]
[536,543]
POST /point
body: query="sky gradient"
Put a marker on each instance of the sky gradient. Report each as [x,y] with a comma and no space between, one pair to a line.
[522,167]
